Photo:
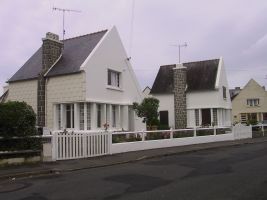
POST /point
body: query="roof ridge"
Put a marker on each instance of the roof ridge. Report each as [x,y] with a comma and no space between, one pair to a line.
[86,35]
[202,60]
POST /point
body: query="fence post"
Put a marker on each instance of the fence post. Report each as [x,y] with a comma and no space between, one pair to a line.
[54,146]
[171,134]
[251,130]
[84,147]
[109,142]
[214,130]
[143,135]
[195,131]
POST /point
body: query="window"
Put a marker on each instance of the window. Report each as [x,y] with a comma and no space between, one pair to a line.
[70,116]
[81,116]
[243,118]
[88,116]
[197,117]
[224,92]
[113,116]
[253,102]
[113,78]
[98,115]
[215,119]
[59,116]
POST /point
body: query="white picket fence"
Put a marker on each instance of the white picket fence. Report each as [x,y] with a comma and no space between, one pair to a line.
[72,145]
[82,144]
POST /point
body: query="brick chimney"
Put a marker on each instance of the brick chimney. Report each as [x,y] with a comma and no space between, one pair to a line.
[180,112]
[51,51]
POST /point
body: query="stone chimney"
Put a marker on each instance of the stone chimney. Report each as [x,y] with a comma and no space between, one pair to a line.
[180,112]
[51,51]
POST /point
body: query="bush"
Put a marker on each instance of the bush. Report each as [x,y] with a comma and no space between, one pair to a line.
[17,119]
[148,110]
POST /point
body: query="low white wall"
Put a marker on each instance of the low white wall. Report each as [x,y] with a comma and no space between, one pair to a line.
[155,144]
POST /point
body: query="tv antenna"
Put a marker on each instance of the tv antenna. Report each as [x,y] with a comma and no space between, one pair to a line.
[179,47]
[63,10]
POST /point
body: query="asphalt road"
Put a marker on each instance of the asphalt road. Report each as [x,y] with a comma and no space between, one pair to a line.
[238,172]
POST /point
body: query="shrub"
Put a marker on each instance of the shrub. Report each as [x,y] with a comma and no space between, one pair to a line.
[17,119]
[148,109]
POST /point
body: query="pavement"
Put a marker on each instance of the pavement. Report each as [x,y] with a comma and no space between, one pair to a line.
[58,167]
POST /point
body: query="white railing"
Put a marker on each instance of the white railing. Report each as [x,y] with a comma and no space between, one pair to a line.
[141,140]
[261,126]
[73,145]
[83,144]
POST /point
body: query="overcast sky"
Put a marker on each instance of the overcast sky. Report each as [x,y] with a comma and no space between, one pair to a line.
[233,29]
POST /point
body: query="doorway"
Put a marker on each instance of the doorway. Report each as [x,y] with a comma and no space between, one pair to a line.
[206,117]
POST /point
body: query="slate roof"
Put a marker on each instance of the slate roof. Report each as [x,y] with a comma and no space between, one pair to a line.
[201,75]
[75,51]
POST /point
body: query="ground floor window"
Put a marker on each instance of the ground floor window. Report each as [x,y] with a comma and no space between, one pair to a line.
[58,107]
[88,116]
[70,116]
[98,115]
[215,118]
[81,116]
[197,117]
[88,105]
[113,116]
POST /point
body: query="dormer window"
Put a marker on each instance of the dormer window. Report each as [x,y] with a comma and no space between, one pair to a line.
[253,102]
[113,78]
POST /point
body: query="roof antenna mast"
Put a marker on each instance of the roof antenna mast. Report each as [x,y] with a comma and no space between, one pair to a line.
[63,10]
[179,48]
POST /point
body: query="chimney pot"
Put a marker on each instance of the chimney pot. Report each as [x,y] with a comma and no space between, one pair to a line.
[52,36]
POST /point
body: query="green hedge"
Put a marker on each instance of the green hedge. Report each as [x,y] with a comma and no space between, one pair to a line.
[17,119]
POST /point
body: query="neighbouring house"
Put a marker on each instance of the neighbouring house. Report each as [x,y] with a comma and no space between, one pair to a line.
[146,91]
[250,103]
[81,83]
[193,94]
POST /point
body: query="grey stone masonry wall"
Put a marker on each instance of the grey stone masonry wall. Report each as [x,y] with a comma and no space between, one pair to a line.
[51,51]
[180,96]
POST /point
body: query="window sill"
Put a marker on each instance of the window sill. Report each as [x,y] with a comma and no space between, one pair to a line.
[114,88]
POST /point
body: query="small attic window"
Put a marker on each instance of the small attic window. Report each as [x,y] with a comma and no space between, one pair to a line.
[224,92]
[113,78]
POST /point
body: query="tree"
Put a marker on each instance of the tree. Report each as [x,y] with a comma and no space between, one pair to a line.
[148,110]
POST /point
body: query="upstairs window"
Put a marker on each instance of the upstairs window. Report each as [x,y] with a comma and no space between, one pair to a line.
[224,92]
[113,78]
[253,102]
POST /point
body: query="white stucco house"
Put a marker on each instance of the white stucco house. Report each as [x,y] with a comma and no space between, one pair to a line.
[193,94]
[81,83]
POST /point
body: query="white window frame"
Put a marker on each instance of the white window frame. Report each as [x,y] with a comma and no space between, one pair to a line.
[114,78]
[71,116]
[253,102]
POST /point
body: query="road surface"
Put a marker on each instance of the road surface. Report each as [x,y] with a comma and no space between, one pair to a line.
[238,173]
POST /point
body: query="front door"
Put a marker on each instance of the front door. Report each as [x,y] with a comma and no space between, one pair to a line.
[206,117]
[164,118]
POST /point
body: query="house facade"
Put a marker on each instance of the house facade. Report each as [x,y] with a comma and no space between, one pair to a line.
[193,94]
[250,103]
[82,83]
